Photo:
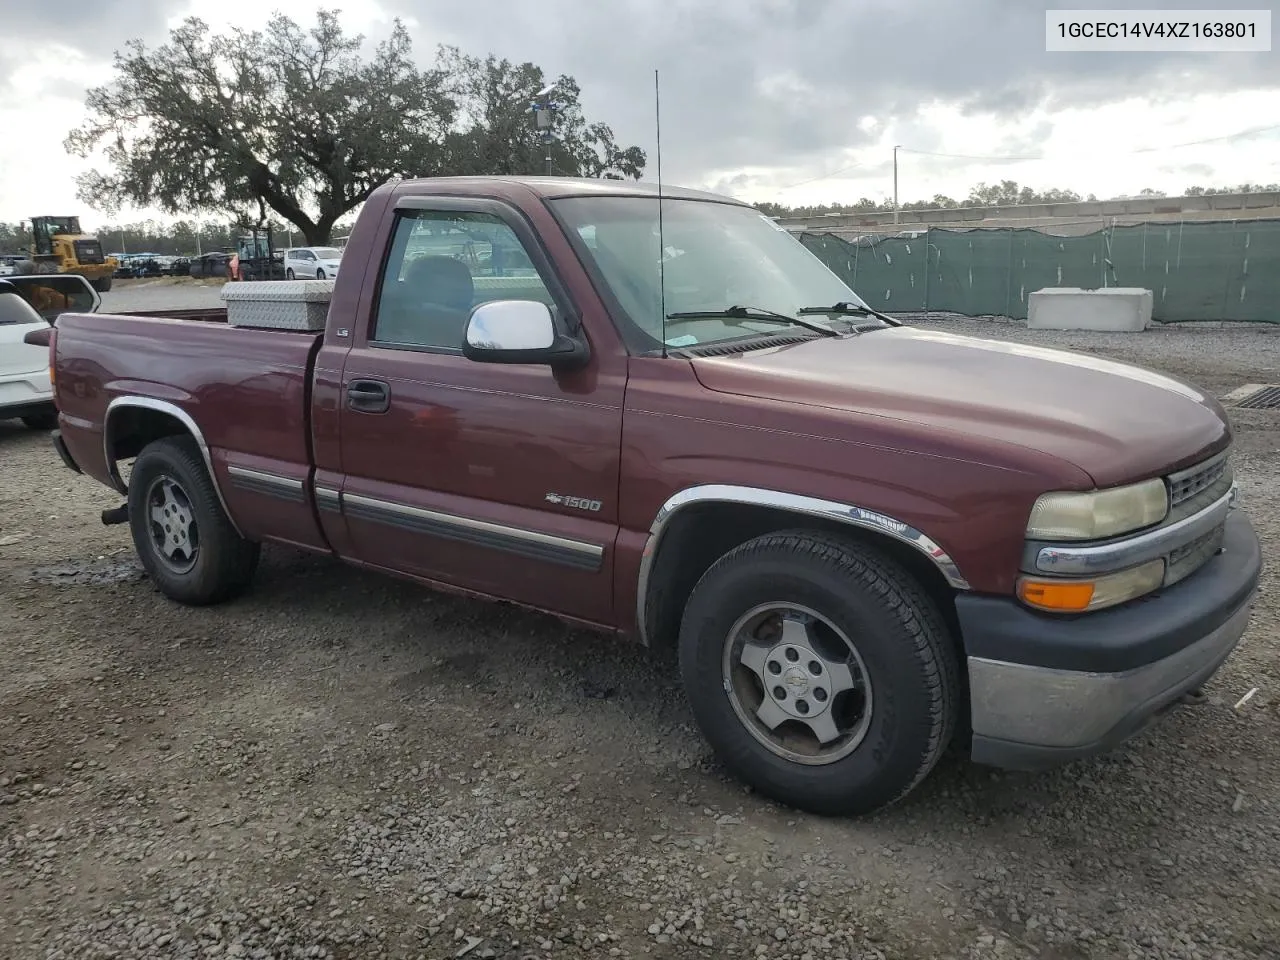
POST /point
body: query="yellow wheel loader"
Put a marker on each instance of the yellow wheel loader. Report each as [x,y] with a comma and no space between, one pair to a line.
[59,246]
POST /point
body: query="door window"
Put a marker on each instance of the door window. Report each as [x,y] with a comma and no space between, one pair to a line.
[443,264]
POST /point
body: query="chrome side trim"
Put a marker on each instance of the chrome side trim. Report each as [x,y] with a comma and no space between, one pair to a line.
[1134,550]
[173,410]
[328,499]
[269,484]
[498,536]
[850,514]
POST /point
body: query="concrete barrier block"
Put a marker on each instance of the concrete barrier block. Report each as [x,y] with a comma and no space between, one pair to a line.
[1120,309]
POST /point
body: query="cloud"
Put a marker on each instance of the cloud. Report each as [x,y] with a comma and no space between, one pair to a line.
[1189,170]
[759,92]
[93,28]
[771,82]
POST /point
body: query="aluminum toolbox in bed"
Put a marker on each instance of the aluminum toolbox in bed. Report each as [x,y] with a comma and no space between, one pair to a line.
[278,304]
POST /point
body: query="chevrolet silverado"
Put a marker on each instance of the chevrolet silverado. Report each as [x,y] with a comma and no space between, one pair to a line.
[866,540]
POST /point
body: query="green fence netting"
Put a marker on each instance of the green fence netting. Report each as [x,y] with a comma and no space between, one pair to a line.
[1219,270]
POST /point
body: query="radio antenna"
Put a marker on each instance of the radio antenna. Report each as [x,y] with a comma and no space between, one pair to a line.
[662,246]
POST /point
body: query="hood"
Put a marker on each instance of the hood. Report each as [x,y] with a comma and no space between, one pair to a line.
[1114,421]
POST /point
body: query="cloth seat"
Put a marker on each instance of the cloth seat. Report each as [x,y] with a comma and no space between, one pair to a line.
[430,306]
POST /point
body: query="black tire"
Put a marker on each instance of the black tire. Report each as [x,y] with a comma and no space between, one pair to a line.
[901,638]
[224,562]
[288,274]
[102,284]
[319,274]
[41,421]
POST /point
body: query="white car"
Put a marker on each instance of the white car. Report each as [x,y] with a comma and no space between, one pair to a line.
[30,304]
[26,391]
[312,263]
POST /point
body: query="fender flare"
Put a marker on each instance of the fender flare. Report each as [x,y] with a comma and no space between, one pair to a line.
[175,411]
[845,513]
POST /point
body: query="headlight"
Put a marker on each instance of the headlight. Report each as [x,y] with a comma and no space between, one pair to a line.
[1098,513]
[1077,596]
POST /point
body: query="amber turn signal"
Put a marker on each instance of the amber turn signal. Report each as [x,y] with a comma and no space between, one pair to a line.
[1058,595]
[1076,596]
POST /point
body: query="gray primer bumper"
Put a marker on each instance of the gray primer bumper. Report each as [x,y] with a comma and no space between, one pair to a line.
[1027,717]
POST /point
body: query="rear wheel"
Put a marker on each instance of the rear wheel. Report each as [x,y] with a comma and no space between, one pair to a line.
[102,284]
[820,672]
[183,536]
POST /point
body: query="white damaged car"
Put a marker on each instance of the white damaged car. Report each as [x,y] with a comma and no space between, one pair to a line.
[28,306]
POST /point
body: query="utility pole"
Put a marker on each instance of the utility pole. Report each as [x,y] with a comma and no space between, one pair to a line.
[895,184]
[544,109]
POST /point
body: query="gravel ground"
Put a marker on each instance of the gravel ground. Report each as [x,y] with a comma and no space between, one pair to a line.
[344,766]
[162,293]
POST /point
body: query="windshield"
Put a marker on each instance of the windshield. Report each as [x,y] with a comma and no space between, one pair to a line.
[51,295]
[716,255]
[64,226]
[327,253]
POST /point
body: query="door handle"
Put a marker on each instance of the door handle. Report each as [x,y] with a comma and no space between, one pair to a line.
[368,396]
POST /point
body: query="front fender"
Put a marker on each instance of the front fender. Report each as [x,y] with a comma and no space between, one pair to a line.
[851,515]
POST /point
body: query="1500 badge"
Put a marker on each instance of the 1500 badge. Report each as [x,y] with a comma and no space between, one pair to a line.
[578,503]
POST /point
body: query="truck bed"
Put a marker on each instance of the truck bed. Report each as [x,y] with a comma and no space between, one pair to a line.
[207,314]
[248,390]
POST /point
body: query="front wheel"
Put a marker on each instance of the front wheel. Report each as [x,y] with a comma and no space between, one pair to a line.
[102,284]
[820,672]
[288,274]
[183,536]
[319,274]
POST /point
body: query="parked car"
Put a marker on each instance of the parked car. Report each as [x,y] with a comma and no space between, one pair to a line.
[861,537]
[315,263]
[28,307]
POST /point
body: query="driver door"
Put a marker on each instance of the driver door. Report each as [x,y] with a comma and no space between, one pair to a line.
[496,478]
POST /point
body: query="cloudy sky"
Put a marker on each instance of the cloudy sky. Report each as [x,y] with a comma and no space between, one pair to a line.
[799,101]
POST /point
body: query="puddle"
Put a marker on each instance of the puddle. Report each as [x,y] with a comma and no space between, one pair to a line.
[88,573]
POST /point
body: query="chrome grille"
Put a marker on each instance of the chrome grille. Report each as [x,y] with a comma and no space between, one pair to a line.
[1190,557]
[1188,483]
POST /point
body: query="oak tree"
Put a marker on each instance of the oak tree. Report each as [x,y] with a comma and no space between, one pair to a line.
[300,123]
[494,132]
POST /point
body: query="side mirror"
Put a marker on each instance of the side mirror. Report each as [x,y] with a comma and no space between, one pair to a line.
[520,331]
[39,337]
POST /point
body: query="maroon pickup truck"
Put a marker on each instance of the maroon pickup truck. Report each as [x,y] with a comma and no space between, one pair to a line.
[866,540]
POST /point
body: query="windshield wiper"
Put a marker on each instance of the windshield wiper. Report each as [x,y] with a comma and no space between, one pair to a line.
[844,309]
[752,313]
